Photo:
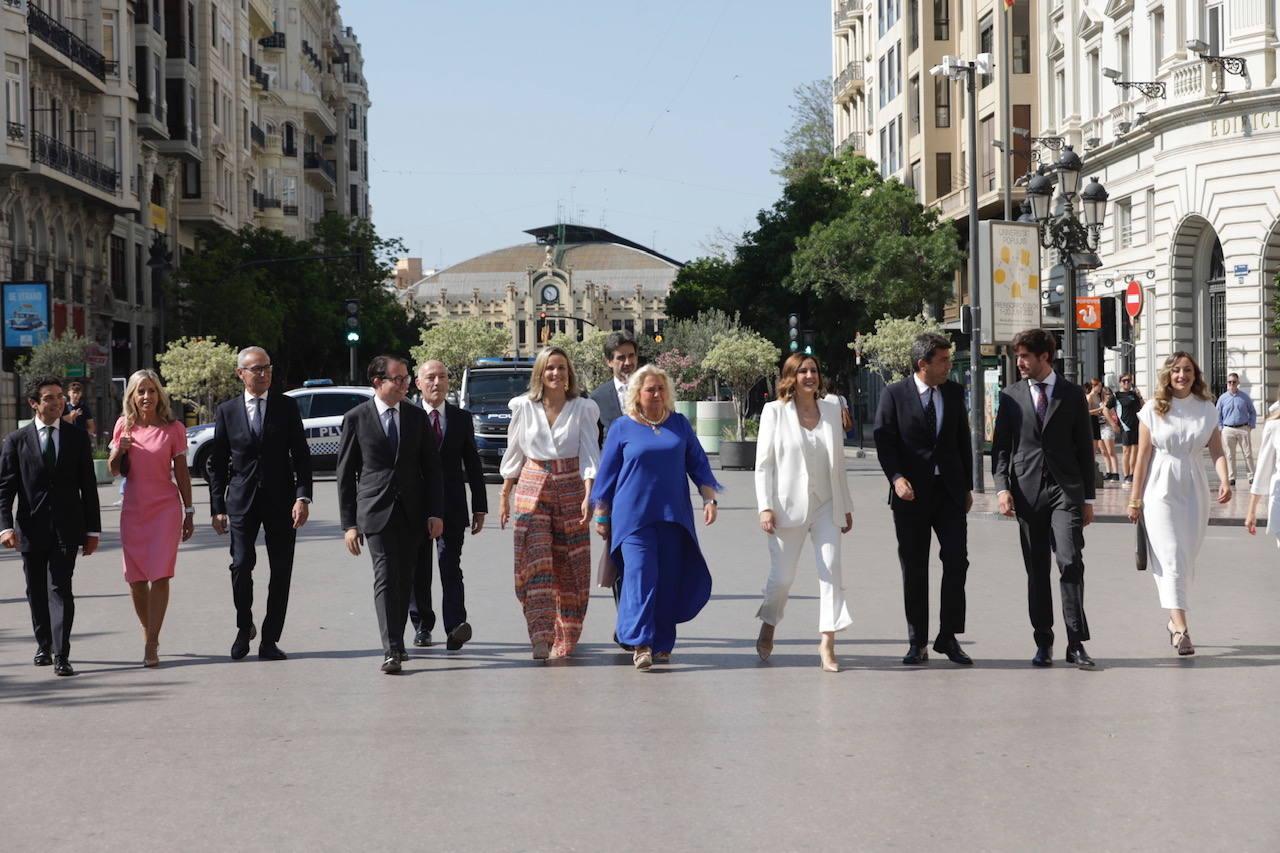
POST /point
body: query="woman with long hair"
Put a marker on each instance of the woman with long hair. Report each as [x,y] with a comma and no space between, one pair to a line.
[802,493]
[150,446]
[552,453]
[1108,426]
[1170,490]
[1266,478]
[1097,400]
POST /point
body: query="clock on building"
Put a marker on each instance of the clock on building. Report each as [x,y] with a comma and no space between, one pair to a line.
[550,294]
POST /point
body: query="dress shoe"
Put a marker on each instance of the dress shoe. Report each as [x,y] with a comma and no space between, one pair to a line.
[1044,656]
[458,636]
[62,666]
[915,655]
[270,651]
[402,655]
[764,643]
[422,639]
[42,658]
[1078,656]
[948,645]
[391,665]
[240,647]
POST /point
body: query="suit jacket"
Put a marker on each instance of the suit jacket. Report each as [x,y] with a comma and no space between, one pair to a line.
[782,480]
[460,466]
[371,479]
[276,467]
[606,397]
[907,446]
[64,501]
[1021,449]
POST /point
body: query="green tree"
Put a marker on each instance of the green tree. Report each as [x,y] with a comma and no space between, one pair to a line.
[694,338]
[587,356]
[741,359]
[458,343]
[888,348]
[200,371]
[809,142]
[53,357]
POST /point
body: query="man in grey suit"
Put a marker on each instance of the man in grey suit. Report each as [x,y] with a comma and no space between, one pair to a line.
[1042,463]
[390,493]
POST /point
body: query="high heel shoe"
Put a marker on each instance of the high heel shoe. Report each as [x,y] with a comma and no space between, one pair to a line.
[1180,640]
[764,643]
[151,655]
[827,654]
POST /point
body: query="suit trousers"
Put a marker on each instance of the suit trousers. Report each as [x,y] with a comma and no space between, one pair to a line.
[453,595]
[280,537]
[785,547]
[395,551]
[1053,525]
[1238,438]
[947,520]
[53,605]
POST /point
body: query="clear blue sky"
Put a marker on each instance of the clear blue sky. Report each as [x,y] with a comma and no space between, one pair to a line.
[653,119]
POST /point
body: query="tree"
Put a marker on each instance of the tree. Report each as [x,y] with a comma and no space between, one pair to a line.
[458,343]
[741,359]
[810,141]
[694,338]
[889,347]
[200,371]
[685,375]
[586,355]
[53,356]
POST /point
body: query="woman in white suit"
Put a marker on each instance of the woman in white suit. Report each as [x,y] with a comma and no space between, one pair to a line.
[1266,478]
[802,493]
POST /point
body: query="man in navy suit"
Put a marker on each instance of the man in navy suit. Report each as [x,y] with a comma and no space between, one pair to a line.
[48,466]
[259,478]
[453,432]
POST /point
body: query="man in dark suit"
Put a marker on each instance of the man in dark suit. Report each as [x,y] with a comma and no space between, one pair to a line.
[1042,463]
[389,493]
[48,466]
[259,478]
[923,443]
[453,432]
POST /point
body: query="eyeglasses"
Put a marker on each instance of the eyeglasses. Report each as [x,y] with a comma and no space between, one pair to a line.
[258,369]
[399,380]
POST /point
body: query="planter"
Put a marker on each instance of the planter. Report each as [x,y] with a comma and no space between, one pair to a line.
[689,409]
[712,416]
[738,455]
[102,471]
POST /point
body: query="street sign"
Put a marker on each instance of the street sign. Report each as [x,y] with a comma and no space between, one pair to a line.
[96,355]
[76,371]
[1133,299]
[1088,313]
[1241,269]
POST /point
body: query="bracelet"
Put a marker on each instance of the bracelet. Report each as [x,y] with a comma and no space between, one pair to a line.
[1135,504]
[602,519]
[189,510]
[710,502]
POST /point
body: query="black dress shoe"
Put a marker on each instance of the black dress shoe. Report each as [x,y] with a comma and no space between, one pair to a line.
[458,636]
[391,666]
[240,647]
[42,658]
[402,655]
[270,651]
[62,666]
[1078,656]
[948,645]
[1044,656]
[422,639]
[915,655]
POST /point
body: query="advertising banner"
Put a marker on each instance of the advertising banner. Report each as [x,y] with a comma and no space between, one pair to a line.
[26,314]
[1009,278]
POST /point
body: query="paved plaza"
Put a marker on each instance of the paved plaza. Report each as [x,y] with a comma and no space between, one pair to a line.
[486,750]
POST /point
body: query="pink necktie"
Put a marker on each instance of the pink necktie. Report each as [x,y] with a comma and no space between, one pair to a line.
[435,427]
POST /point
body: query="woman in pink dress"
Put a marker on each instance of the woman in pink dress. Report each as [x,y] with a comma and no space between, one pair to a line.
[152,520]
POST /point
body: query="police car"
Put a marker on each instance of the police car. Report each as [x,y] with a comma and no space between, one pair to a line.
[486,392]
[322,405]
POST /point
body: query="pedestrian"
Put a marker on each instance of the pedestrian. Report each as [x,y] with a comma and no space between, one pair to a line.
[49,470]
[802,493]
[832,394]
[1170,490]
[259,479]
[1042,464]
[390,495]
[621,355]
[552,453]
[642,511]
[1237,419]
[1126,403]
[453,432]
[1107,435]
[78,411]
[1266,478]
[924,447]
[150,445]
[1097,399]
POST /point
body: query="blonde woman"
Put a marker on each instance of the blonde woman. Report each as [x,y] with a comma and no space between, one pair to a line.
[150,446]
[552,453]
[641,497]
[1266,478]
[1170,491]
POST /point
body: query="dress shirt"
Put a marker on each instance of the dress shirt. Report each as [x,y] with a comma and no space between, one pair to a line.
[56,438]
[923,390]
[1236,410]
[620,385]
[382,414]
[576,434]
[428,408]
[249,407]
[1049,381]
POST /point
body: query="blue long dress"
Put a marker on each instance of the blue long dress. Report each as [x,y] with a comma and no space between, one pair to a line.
[642,478]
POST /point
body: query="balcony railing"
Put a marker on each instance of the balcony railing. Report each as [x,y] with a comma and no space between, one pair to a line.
[291,150]
[17,131]
[66,42]
[175,48]
[851,72]
[257,135]
[156,109]
[275,41]
[290,209]
[844,10]
[312,160]
[51,152]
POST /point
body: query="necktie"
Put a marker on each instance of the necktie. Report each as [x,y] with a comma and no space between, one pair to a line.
[931,415]
[435,427]
[256,426]
[50,453]
[393,432]
[1042,402]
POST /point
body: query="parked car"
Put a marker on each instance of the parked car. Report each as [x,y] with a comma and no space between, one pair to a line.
[322,407]
[486,391]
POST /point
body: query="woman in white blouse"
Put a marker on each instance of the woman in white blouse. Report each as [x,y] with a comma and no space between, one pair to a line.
[1266,478]
[802,493]
[551,459]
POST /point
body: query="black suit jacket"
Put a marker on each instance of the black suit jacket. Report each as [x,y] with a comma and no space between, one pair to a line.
[460,467]
[276,467]
[907,446]
[64,501]
[606,397]
[1021,449]
[371,478]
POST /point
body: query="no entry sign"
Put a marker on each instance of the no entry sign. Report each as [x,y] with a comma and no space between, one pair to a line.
[1133,300]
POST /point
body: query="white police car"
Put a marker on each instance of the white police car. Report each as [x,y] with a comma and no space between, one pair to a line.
[322,405]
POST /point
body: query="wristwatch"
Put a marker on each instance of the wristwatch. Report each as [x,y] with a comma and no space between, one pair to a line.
[189,510]
[711,502]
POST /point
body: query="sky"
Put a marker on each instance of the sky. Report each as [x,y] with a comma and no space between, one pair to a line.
[652,119]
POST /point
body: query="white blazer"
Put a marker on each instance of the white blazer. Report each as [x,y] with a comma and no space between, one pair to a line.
[782,481]
[1266,476]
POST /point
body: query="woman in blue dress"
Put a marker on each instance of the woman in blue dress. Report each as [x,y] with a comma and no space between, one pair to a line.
[642,509]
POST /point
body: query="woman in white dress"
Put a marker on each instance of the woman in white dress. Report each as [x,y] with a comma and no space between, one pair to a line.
[1266,478]
[1170,489]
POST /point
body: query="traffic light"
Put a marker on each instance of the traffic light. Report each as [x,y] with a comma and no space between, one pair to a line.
[352,315]
[543,335]
[1111,308]
[793,332]
[808,339]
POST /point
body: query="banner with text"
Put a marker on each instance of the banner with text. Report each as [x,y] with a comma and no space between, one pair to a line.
[1009,278]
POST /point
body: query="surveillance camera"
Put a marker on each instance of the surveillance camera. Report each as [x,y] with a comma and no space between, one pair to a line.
[1123,126]
[1111,73]
[937,71]
[1197,46]
[982,64]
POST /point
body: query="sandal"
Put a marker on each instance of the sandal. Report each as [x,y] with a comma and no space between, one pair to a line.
[1181,640]
[662,657]
[643,658]
[151,655]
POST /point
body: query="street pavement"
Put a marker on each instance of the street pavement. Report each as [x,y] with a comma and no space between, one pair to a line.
[485,749]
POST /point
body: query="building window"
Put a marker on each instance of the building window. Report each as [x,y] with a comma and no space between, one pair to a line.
[217,100]
[913,107]
[190,179]
[941,20]
[14,113]
[942,170]
[986,44]
[139,291]
[1060,94]
[881,80]
[1022,37]
[913,24]
[1095,84]
[1157,41]
[1124,223]
[1021,144]
[988,153]
[1150,211]
[1213,28]
[917,180]
[941,101]
[353,155]
[884,151]
[1126,66]
[213,24]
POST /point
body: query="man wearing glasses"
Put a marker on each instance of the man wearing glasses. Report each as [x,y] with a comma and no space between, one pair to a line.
[1127,402]
[1237,417]
[259,478]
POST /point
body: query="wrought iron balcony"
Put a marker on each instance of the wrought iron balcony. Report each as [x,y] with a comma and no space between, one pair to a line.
[290,210]
[51,152]
[291,150]
[17,131]
[851,72]
[275,41]
[65,42]
[313,160]
[257,135]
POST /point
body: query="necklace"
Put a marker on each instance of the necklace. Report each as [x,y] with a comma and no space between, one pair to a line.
[656,426]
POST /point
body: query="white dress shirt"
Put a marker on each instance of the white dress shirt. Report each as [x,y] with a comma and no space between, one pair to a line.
[56,438]
[428,408]
[250,406]
[575,434]
[1049,381]
[382,415]
[923,390]
[620,385]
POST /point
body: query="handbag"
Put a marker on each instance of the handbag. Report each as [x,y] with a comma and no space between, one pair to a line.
[1140,556]
[606,571]
[846,420]
[124,464]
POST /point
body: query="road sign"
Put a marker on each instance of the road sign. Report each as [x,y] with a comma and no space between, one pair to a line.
[1241,269]
[1133,299]
[96,355]
[1088,313]
[76,371]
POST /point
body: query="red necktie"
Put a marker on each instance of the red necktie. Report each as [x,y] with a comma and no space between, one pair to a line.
[435,427]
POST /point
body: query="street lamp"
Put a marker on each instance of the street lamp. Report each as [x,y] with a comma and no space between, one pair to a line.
[1075,242]
[1149,88]
[1236,65]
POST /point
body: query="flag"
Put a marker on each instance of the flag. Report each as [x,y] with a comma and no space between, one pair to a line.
[1008,4]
